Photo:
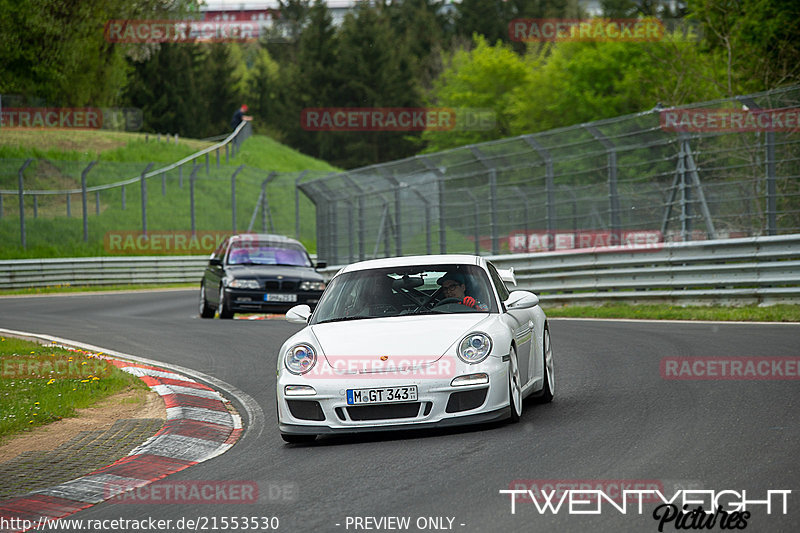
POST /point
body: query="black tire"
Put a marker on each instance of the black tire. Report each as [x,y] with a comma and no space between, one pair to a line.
[514,387]
[206,311]
[549,386]
[224,307]
[297,439]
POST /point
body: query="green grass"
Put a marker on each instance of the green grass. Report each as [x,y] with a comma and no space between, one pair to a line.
[773,313]
[40,384]
[124,156]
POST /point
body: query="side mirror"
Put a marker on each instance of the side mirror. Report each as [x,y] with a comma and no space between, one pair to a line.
[321,264]
[299,314]
[522,300]
[215,262]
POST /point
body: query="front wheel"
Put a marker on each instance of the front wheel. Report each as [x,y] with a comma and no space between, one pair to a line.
[514,387]
[224,307]
[549,385]
[206,311]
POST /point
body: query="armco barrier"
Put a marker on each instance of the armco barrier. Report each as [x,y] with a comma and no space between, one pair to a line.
[750,270]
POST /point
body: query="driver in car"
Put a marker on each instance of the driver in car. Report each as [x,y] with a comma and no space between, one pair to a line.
[454,286]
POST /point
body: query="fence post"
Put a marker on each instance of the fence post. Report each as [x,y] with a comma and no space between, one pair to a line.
[492,198]
[477,229]
[227,153]
[123,198]
[83,200]
[69,205]
[97,202]
[440,192]
[233,196]
[192,178]
[549,187]
[265,209]
[207,170]
[297,204]
[1,206]
[216,152]
[613,196]
[35,206]
[163,184]
[143,182]
[180,176]
[22,236]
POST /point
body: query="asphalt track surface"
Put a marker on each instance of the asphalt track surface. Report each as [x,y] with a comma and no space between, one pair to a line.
[614,418]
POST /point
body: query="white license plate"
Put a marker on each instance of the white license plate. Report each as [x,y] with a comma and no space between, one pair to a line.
[280,297]
[383,395]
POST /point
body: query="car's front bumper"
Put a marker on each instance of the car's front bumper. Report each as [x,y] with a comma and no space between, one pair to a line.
[438,404]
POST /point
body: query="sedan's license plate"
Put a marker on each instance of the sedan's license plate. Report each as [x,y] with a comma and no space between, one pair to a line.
[383,395]
[280,297]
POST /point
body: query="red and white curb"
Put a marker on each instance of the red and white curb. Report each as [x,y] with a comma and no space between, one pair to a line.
[201,424]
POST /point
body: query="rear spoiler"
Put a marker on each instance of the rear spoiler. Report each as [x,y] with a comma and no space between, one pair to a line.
[507,275]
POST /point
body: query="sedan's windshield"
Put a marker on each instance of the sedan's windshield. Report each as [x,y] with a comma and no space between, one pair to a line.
[403,291]
[263,253]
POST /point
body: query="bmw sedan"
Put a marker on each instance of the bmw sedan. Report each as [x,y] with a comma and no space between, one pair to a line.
[257,273]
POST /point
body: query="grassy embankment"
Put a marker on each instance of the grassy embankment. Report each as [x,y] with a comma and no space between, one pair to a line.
[61,156]
[40,384]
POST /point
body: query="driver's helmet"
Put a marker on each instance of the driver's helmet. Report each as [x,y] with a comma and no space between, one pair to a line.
[458,277]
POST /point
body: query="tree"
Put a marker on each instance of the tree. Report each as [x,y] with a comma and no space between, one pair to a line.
[481,79]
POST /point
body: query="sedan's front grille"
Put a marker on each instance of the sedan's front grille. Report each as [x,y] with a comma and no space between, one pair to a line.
[281,285]
[384,412]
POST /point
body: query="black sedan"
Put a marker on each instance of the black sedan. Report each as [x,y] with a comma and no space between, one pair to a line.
[253,273]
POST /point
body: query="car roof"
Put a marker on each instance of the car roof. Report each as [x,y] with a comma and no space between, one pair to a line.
[411,260]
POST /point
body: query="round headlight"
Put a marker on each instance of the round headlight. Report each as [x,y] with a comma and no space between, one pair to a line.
[474,348]
[300,359]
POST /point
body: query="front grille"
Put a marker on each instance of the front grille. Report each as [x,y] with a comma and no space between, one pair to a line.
[466,400]
[306,410]
[272,285]
[384,412]
[289,286]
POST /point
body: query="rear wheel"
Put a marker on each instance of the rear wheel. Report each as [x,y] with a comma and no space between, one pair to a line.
[549,385]
[224,306]
[297,439]
[514,387]
[205,310]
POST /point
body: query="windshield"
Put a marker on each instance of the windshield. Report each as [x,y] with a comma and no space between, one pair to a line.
[403,291]
[263,253]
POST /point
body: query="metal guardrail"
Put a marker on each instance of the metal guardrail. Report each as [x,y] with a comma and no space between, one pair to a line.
[749,270]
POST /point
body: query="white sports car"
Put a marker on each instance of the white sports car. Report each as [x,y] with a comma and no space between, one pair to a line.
[408,342]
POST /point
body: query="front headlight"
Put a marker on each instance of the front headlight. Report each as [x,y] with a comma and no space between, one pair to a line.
[244,284]
[475,347]
[312,286]
[300,358]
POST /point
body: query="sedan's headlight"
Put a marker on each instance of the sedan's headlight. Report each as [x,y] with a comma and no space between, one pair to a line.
[475,347]
[244,284]
[300,358]
[312,286]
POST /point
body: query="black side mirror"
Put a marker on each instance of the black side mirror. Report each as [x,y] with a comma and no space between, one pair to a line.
[215,262]
[321,264]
